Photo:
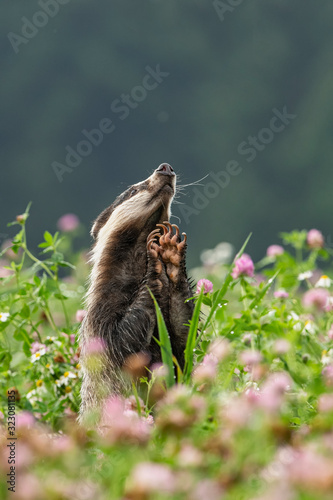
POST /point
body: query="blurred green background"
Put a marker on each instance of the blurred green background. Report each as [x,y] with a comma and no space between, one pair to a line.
[229,67]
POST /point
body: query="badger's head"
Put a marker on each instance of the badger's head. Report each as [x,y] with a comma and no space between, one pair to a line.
[140,207]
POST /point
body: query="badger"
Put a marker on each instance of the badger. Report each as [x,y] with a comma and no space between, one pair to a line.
[136,251]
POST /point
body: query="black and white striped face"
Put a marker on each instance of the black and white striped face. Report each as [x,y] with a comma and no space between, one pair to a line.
[139,203]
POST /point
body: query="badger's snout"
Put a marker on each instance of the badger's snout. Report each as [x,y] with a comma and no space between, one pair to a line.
[165,169]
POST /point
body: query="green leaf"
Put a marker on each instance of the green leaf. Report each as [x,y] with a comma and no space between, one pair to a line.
[42,407]
[25,311]
[36,280]
[192,336]
[18,335]
[47,247]
[60,296]
[207,301]
[26,349]
[164,343]
[297,239]
[5,359]
[22,335]
[48,238]
[17,240]
[57,257]
[63,263]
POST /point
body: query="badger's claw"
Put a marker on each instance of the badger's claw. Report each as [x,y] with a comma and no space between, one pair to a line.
[175,239]
[151,238]
[169,233]
[182,244]
[165,229]
[152,245]
[165,233]
[171,248]
[176,228]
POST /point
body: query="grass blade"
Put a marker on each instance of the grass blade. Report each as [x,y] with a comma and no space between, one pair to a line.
[164,343]
[263,292]
[191,339]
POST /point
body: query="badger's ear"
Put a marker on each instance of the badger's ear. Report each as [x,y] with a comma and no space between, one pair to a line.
[98,224]
[94,230]
[101,221]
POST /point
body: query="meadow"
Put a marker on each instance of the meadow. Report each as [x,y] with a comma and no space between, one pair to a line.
[249,419]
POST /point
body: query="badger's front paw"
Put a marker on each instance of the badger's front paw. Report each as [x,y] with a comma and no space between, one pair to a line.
[172,249]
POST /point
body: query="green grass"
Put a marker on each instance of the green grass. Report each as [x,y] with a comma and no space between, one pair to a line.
[251,417]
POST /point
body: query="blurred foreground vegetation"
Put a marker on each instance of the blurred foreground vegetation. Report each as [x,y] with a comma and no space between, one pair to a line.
[252,419]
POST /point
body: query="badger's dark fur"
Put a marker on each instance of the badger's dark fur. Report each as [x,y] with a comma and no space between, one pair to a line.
[130,255]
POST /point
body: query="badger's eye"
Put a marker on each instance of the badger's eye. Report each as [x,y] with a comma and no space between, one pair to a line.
[133,191]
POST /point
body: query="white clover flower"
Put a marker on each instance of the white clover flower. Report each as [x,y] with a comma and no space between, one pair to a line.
[36,394]
[294,317]
[54,340]
[324,281]
[65,379]
[251,385]
[267,318]
[305,276]
[310,327]
[38,354]
[4,317]
[31,395]
[327,357]
[40,389]
[298,327]
[49,367]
